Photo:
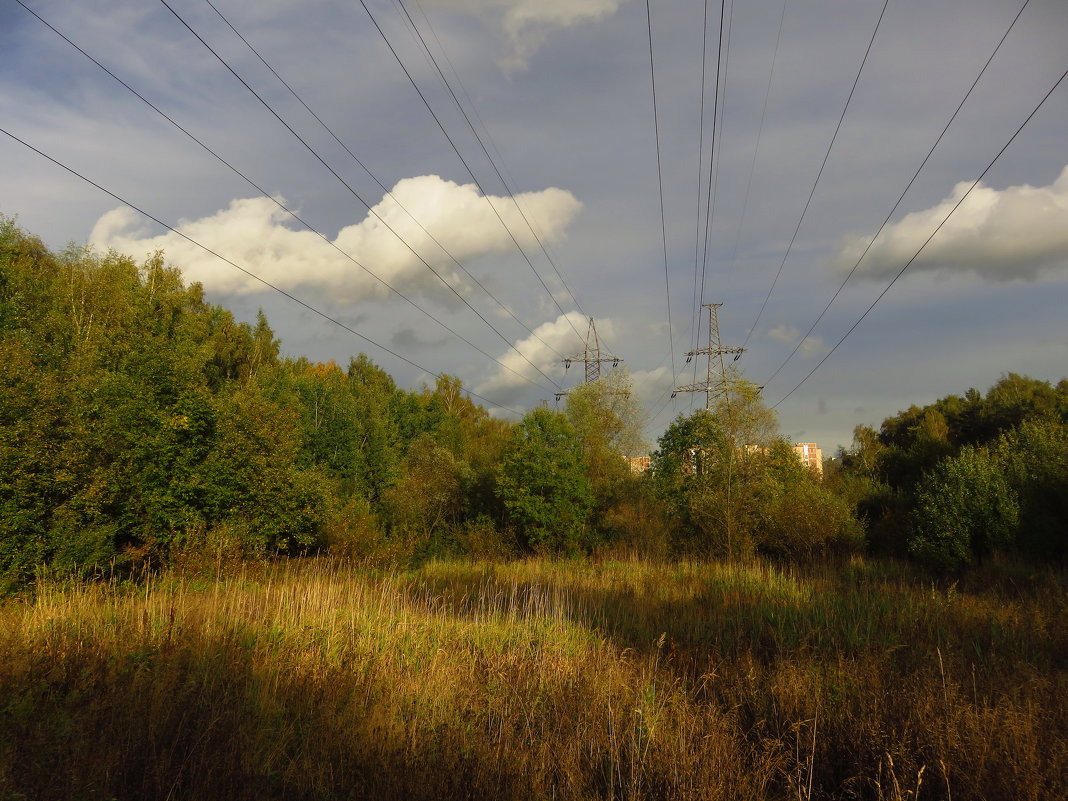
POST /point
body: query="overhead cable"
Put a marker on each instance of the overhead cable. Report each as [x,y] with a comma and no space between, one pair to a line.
[713,169]
[281,205]
[353,192]
[819,174]
[900,197]
[926,242]
[508,190]
[467,166]
[660,180]
[247,272]
[375,178]
[759,136]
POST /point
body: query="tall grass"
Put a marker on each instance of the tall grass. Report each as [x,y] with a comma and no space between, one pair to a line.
[537,679]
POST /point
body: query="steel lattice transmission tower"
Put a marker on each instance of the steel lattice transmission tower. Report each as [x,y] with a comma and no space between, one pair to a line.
[716,381]
[591,356]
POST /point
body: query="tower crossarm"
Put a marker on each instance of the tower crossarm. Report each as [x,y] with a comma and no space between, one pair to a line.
[717,379]
[592,356]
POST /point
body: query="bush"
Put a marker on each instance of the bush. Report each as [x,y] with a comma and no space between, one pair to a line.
[805,519]
[965,509]
[543,483]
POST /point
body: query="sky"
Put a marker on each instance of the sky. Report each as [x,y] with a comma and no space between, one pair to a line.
[485,259]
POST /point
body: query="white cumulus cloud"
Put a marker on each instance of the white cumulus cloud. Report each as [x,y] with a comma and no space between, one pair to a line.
[543,348]
[1000,235]
[260,237]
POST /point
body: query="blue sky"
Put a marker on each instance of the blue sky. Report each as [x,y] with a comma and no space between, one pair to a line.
[562,88]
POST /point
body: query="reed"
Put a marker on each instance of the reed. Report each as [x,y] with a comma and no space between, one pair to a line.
[322,679]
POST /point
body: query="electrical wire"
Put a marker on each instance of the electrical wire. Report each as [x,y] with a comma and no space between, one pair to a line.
[354,193]
[901,197]
[500,160]
[660,180]
[759,136]
[926,242]
[714,154]
[722,65]
[700,170]
[278,203]
[375,178]
[819,174]
[508,190]
[249,273]
[467,166]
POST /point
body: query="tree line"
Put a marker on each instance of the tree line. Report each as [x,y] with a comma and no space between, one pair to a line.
[141,425]
[953,482]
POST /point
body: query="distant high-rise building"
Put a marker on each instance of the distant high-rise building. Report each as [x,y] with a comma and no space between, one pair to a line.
[639,464]
[811,456]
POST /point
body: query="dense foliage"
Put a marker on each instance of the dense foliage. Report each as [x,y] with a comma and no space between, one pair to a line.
[965,477]
[141,424]
[732,487]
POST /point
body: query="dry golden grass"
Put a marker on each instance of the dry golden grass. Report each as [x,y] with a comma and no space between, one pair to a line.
[536,679]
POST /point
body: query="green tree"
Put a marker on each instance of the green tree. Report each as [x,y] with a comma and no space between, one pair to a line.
[609,420]
[1034,460]
[429,496]
[965,509]
[689,476]
[543,484]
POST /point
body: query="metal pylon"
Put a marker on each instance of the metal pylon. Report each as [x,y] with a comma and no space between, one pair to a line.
[716,380]
[591,356]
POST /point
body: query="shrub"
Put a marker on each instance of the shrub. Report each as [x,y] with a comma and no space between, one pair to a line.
[965,508]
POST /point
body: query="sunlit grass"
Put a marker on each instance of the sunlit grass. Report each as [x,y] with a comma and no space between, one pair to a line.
[535,679]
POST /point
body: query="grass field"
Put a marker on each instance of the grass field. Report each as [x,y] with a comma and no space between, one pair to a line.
[318,679]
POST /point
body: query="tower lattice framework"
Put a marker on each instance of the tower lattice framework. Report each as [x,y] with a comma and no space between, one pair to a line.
[591,356]
[717,382]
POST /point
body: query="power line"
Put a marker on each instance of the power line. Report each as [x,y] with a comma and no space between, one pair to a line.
[247,272]
[713,155]
[927,241]
[902,196]
[500,160]
[510,192]
[819,174]
[467,166]
[660,181]
[375,178]
[716,383]
[278,203]
[759,136]
[701,166]
[355,194]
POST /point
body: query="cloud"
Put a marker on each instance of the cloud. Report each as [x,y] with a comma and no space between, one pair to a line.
[788,334]
[543,348]
[1000,235]
[529,23]
[257,235]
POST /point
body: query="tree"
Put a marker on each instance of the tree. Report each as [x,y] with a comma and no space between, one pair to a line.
[609,421]
[795,515]
[543,484]
[1034,461]
[965,509]
[429,496]
[688,473]
[746,420]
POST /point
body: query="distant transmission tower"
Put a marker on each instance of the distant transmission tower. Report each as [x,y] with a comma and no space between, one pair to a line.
[716,381]
[591,356]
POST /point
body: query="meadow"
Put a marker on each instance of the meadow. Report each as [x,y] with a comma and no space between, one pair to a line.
[538,679]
